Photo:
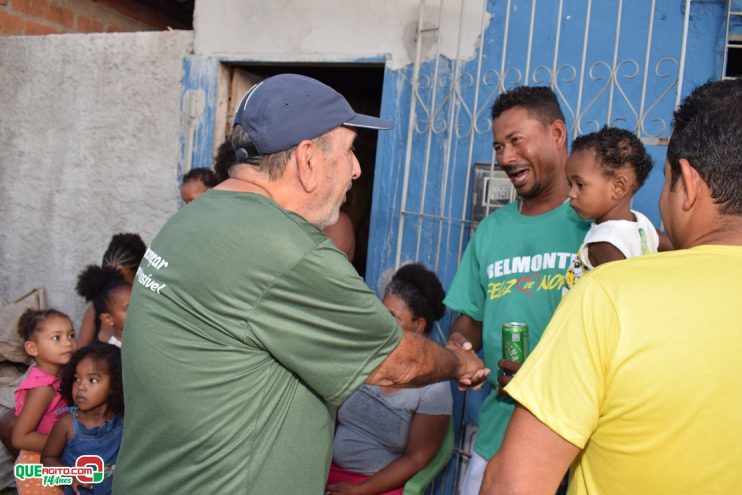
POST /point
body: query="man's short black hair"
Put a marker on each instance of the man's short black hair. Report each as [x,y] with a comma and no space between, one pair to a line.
[538,100]
[616,148]
[707,131]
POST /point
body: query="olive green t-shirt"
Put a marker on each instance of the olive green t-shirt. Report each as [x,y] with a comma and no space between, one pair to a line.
[246,329]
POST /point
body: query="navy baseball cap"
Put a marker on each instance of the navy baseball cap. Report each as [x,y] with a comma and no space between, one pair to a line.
[281,111]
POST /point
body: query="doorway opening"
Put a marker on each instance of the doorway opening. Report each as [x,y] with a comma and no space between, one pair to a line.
[734,58]
[360,84]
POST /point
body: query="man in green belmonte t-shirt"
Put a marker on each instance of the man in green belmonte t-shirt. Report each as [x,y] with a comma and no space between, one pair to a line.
[247,327]
[513,267]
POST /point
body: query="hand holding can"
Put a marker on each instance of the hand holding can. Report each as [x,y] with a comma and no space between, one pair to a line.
[514,351]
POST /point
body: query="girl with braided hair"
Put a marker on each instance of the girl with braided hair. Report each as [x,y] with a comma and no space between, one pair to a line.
[109,293]
[49,338]
[386,435]
[124,253]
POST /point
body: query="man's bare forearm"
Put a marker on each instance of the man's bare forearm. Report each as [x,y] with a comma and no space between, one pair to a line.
[419,361]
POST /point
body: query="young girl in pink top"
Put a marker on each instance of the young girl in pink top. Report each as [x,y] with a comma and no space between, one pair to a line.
[48,337]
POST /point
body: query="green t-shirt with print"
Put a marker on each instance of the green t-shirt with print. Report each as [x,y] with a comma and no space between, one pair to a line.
[246,329]
[512,270]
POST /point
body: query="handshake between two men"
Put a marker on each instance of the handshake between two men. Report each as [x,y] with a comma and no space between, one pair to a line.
[419,361]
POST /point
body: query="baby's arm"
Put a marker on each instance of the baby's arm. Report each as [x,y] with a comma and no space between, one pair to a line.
[603,252]
[58,437]
[24,434]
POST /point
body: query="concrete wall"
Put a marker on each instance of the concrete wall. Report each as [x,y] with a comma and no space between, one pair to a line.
[333,30]
[89,135]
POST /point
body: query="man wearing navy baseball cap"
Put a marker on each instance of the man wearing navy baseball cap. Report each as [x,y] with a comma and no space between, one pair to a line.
[247,327]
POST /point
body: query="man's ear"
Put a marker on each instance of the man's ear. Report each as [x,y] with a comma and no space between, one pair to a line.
[30,348]
[691,182]
[558,130]
[306,173]
[621,186]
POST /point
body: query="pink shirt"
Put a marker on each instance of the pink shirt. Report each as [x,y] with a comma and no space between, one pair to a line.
[38,378]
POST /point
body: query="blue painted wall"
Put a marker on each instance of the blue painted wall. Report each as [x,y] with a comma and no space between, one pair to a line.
[449,150]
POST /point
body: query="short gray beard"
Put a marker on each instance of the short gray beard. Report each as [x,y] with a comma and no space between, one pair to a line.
[330,219]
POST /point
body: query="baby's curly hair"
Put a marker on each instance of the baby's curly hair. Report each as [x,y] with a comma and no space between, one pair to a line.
[110,356]
[616,148]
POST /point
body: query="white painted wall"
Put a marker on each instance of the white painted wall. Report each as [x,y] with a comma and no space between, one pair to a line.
[89,135]
[335,30]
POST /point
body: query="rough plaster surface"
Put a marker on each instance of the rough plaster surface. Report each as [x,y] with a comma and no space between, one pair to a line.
[90,145]
[341,30]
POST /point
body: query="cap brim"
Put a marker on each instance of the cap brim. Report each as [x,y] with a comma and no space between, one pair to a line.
[368,122]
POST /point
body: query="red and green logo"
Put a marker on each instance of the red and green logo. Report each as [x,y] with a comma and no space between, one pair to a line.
[88,469]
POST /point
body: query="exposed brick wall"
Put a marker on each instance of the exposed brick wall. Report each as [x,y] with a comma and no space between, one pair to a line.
[38,17]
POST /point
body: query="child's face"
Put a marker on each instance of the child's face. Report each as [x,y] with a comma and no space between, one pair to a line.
[192,189]
[91,386]
[54,342]
[590,189]
[117,308]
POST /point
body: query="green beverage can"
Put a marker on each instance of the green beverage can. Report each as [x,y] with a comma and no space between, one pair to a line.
[515,341]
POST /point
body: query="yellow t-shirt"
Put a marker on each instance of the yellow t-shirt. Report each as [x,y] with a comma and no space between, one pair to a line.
[641,367]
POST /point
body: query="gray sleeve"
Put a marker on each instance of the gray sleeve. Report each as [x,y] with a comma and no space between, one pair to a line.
[436,399]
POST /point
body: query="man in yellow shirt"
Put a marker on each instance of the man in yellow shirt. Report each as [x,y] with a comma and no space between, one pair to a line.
[636,381]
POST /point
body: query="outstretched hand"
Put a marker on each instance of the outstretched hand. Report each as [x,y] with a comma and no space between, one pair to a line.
[471,372]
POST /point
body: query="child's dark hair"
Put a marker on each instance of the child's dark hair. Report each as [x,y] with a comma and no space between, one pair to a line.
[32,319]
[616,148]
[99,353]
[205,175]
[97,285]
[125,250]
[421,290]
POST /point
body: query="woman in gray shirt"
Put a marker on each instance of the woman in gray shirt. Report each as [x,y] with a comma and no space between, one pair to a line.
[386,435]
